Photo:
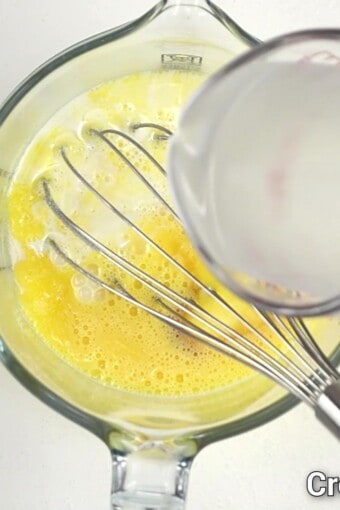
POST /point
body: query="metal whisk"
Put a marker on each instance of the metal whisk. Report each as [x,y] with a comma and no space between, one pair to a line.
[297,363]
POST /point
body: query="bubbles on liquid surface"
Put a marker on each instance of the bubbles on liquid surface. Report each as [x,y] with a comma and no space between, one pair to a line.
[92,329]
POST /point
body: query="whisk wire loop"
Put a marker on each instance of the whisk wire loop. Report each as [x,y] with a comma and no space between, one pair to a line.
[186,306]
[292,342]
[300,367]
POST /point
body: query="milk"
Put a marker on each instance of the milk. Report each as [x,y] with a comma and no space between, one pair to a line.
[262,177]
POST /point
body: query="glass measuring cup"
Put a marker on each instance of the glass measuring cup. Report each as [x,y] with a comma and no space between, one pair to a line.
[258,186]
[152,440]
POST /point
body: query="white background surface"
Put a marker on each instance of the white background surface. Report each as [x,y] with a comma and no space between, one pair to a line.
[48,463]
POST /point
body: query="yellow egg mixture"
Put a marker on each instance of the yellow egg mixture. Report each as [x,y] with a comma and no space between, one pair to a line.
[90,328]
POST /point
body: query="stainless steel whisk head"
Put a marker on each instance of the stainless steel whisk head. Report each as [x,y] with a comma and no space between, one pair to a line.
[290,355]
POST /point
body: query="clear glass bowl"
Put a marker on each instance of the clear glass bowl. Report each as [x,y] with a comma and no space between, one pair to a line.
[258,190]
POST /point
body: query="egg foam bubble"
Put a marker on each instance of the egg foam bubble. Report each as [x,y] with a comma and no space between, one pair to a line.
[90,328]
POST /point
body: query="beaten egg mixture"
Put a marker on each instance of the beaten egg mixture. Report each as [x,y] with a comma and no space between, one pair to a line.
[95,331]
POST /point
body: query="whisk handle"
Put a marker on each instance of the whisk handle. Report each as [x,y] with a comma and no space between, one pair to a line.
[327,408]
